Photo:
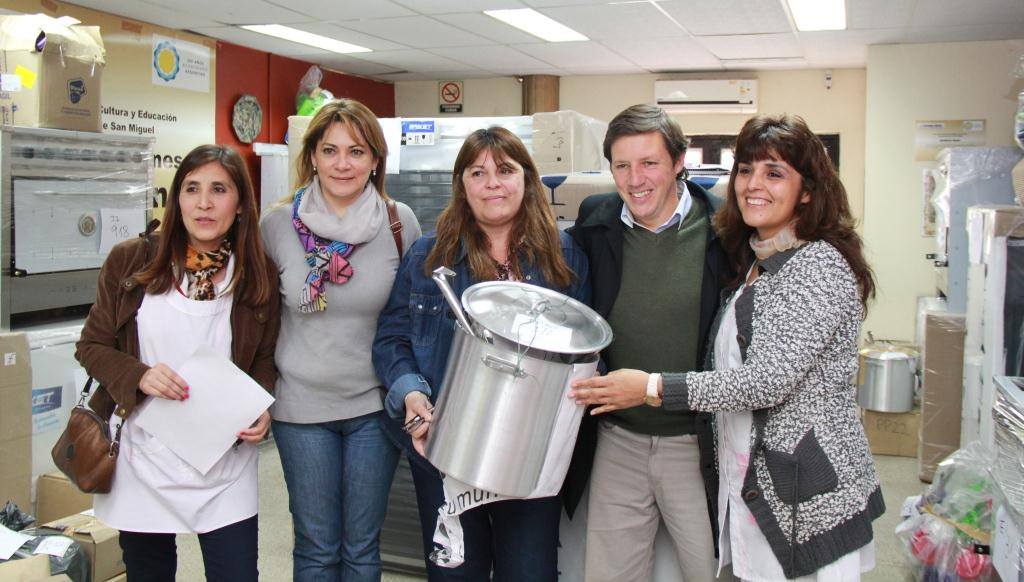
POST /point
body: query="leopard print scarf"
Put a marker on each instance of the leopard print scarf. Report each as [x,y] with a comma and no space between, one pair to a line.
[200,267]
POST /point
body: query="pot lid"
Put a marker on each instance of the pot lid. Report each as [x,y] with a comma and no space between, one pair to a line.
[536,317]
[887,352]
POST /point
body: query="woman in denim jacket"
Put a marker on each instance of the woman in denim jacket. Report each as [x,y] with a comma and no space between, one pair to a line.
[497,226]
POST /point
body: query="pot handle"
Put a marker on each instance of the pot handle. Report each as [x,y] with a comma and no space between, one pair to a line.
[496,363]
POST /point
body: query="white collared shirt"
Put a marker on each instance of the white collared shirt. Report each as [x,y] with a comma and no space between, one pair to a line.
[685,203]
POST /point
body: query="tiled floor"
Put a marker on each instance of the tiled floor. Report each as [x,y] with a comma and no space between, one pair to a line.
[898,475]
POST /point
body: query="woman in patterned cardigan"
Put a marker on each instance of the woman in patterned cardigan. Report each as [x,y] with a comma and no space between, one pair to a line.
[798,488]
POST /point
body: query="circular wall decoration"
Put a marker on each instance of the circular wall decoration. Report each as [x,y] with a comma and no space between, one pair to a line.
[247,118]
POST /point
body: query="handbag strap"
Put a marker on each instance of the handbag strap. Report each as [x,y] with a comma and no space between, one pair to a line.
[115,444]
[396,225]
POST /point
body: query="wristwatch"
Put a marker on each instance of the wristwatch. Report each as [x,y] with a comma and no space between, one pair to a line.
[652,398]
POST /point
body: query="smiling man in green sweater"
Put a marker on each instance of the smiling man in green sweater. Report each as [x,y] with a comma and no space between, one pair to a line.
[655,270]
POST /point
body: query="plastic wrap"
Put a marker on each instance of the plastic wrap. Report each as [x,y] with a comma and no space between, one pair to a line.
[310,97]
[74,562]
[948,540]
[1008,420]
[995,310]
[13,518]
[969,176]
[567,141]
[942,357]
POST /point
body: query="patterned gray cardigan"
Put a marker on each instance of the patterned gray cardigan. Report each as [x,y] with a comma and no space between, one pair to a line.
[810,463]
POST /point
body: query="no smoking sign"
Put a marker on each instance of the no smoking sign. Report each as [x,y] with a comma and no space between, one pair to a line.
[449,95]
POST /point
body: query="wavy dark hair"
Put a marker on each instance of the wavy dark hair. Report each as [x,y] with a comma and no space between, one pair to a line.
[534,225]
[825,216]
[251,280]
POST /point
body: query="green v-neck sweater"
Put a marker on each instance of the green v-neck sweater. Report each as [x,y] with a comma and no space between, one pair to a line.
[656,315]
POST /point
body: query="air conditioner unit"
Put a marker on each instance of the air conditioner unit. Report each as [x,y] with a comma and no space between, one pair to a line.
[707,95]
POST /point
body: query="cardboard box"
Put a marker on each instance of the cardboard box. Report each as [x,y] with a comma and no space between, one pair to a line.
[98,541]
[941,390]
[26,570]
[895,434]
[119,578]
[51,73]
[565,192]
[57,497]
[15,420]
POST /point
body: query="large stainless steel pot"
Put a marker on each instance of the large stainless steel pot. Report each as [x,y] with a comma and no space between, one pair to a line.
[887,378]
[504,382]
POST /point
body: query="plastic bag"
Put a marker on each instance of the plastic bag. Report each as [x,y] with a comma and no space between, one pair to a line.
[74,562]
[13,518]
[948,541]
[310,97]
[1018,126]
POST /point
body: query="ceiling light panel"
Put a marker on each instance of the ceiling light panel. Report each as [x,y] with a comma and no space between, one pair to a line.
[811,15]
[306,38]
[487,27]
[537,24]
[339,31]
[619,21]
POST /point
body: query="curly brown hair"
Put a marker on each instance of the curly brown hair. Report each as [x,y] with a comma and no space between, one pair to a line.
[826,216]
[534,230]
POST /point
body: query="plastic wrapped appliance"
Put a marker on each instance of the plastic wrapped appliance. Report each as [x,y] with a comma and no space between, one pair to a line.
[994,344]
[66,196]
[1008,417]
[968,176]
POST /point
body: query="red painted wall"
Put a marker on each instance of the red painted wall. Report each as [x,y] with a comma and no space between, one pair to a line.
[274,80]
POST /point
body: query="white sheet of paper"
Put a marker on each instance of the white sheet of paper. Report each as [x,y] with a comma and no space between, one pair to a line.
[119,224]
[549,336]
[392,128]
[54,546]
[222,401]
[10,541]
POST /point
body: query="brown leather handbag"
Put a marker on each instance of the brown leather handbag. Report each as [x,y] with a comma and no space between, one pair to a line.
[85,452]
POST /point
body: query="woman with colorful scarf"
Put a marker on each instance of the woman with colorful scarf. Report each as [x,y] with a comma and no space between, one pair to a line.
[203,280]
[337,249]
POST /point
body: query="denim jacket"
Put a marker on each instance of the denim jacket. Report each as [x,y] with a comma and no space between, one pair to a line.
[415,329]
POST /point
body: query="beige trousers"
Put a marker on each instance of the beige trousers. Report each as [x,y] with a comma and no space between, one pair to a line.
[636,480]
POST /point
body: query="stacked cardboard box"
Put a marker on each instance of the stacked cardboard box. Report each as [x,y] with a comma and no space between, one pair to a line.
[15,420]
[895,434]
[941,389]
[56,497]
[99,542]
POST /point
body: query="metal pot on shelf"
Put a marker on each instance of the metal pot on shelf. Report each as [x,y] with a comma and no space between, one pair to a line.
[887,377]
[512,354]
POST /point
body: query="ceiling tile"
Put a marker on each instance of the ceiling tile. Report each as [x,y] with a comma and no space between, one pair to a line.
[631,70]
[420,32]
[349,65]
[574,54]
[966,12]
[847,47]
[665,54]
[436,76]
[726,17]
[259,41]
[337,32]
[146,12]
[485,26]
[451,6]
[347,9]
[868,14]
[964,33]
[550,3]
[762,64]
[615,21]
[491,57]
[247,12]
[545,70]
[414,61]
[763,46]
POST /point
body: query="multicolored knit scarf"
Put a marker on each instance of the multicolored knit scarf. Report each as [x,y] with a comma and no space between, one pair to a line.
[201,266]
[327,259]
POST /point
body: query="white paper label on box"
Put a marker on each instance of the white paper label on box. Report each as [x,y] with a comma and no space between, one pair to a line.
[11,358]
[10,541]
[119,224]
[54,546]
[541,334]
[10,83]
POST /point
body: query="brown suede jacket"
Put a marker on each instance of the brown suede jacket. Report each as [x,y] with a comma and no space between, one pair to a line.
[109,346]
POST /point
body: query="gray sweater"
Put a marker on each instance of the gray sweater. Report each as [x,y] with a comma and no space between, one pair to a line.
[323,359]
[811,482]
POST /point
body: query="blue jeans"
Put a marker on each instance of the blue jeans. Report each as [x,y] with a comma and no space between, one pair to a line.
[338,476]
[229,554]
[517,540]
